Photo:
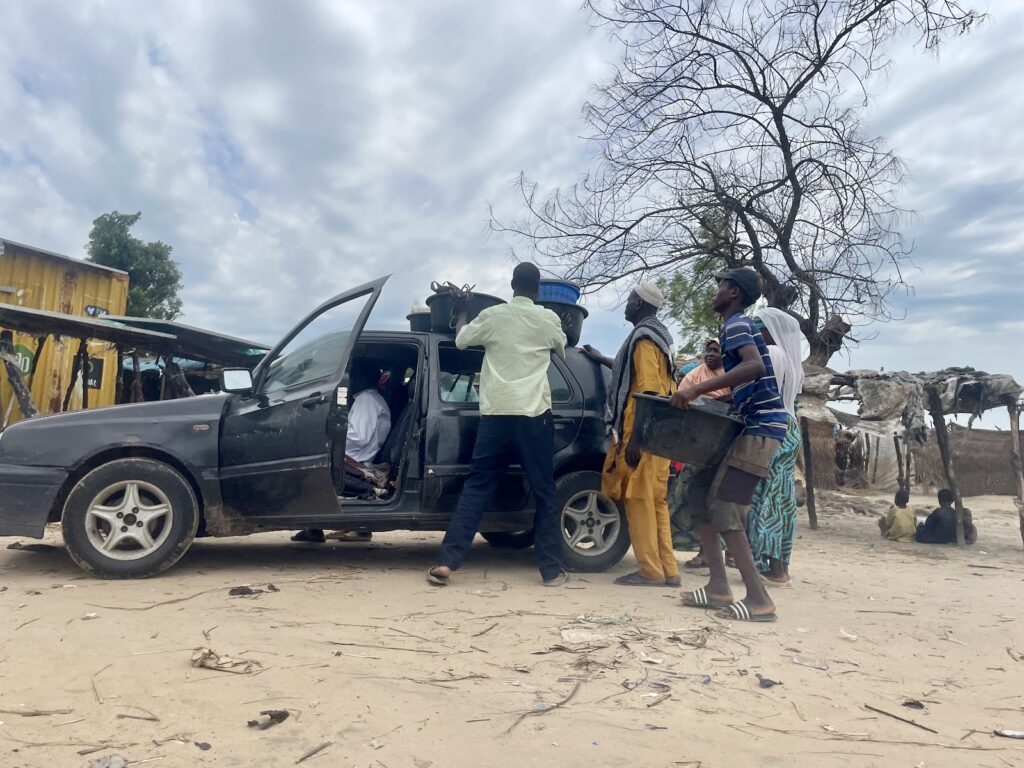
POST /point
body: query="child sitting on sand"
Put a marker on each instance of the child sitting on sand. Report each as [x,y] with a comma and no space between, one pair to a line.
[898,523]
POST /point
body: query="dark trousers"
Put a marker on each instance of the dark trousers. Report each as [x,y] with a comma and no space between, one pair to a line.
[499,441]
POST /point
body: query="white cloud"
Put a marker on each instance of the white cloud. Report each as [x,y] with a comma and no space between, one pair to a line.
[287,151]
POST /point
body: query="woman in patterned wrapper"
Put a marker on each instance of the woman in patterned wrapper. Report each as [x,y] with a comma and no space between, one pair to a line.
[771,525]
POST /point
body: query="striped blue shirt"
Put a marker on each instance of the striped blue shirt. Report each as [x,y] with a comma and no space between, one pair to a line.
[757,402]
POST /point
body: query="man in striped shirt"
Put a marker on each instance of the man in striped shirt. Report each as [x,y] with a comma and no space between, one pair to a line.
[721,495]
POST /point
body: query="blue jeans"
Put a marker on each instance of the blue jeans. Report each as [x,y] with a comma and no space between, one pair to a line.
[499,441]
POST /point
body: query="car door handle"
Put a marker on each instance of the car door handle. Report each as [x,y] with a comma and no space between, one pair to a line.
[313,401]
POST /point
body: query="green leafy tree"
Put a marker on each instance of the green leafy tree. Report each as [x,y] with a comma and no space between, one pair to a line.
[688,304]
[689,290]
[154,278]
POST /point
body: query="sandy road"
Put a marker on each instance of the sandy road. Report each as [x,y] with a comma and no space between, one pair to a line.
[496,670]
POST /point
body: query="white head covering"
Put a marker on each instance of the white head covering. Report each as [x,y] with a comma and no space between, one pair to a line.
[789,371]
[650,293]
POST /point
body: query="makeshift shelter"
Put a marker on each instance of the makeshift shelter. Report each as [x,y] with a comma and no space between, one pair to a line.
[893,406]
[201,345]
[42,325]
[131,337]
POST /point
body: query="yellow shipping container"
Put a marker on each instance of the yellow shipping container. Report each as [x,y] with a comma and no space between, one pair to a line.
[38,279]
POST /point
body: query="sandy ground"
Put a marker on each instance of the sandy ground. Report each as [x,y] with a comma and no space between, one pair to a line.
[497,670]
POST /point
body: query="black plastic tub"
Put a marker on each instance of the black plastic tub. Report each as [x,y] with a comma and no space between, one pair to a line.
[442,314]
[698,436]
[419,322]
[572,317]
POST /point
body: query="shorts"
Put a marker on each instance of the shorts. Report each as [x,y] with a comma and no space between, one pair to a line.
[722,495]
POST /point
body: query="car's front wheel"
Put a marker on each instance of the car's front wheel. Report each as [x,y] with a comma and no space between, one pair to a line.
[594,532]
[130,518]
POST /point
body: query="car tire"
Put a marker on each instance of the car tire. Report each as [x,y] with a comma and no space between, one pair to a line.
[148,508]
[509,539]
[599,545]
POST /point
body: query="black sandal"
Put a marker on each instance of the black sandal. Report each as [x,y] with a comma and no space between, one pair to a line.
[310,536]
[437,579]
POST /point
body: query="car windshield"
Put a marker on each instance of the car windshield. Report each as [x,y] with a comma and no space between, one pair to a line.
[319,351]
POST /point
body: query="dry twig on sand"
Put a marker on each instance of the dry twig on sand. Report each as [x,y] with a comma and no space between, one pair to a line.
[545,711]
[96,690]
[858,737]
[314,752]
[36,712]
[901,719]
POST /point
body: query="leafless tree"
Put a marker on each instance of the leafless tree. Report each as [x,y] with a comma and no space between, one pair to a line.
[748,112]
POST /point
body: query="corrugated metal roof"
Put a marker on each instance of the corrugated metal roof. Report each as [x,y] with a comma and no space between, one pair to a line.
[199,343]
[38,322]
[53,255]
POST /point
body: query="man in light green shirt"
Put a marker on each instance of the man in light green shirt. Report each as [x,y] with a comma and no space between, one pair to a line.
[518,338]
[515,423]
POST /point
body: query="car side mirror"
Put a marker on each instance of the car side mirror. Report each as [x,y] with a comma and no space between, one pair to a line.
[237,381]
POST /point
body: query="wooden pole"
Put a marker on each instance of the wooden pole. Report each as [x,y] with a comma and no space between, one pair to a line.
[178,383]
[163,379]
[805,437]
[83,350]
[119,382]
[900,480]
[76,362]
[1018,467]
[942,435]
[908,473]
[136,378]
[40,343]
[21,392]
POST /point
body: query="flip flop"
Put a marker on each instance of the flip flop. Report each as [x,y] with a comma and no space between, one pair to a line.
[673,581]
[696,562]
[776,584]
[699,598]
[436,579]
[636,580]
[309,536]
[557,581]
[738,611]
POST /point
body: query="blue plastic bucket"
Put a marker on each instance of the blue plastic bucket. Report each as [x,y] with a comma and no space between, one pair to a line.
[559,290]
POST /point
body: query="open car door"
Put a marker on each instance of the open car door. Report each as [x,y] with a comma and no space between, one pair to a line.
[275,454]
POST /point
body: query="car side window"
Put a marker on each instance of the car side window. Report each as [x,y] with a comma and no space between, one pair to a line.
[561,392]
[459,376]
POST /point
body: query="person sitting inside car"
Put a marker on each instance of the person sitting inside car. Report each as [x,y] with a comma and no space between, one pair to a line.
[369,422]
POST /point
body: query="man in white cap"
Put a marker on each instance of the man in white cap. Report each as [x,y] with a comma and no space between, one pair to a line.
[640,480]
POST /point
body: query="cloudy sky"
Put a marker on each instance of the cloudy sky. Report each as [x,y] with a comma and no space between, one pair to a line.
[288,150]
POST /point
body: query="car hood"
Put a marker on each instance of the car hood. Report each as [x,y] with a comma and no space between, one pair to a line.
[52,440]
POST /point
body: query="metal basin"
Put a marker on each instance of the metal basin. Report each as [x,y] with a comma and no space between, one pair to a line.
[698,436]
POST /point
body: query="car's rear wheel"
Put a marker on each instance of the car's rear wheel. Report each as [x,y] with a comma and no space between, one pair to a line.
[594,532]
[130,518]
